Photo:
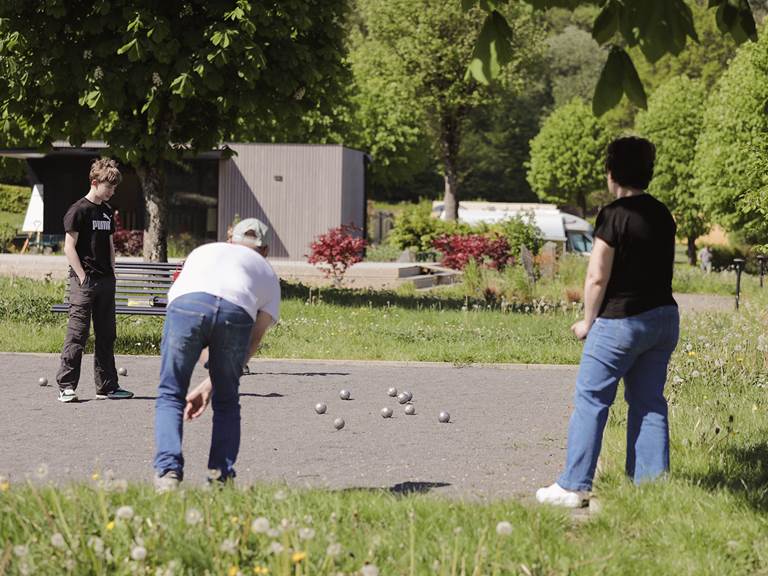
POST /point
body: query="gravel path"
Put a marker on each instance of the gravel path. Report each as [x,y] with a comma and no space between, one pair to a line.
[506,436]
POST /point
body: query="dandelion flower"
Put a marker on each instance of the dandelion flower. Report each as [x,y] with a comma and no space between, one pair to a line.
[124,513]
[5,484]
[57,540]
[193,516]
[280,495]
[260,525]
[42,471]
[297,557]
[95,476]
[138,553]
[228,546]
[120,486]
[96,543]
[333,550]
[260,570]
[369,570]
[695,374]
[306,533]
[503,528]
[275,548]
[233,571]
[20,551]
[274,532]
[110,525]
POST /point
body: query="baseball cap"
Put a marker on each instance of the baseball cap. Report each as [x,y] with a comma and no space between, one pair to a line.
[252,232]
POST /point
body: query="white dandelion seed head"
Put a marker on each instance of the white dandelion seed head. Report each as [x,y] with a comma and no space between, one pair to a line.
[96,544]
[275,548]
[193,516]
[695,374]
[57,540]
[503,528]
[260,525]
[274,532]
[306,533]
[20,550]
[124,513]
[228,546]
[333,550]
[280,495]
[138,553]
[369,570]
[42,471]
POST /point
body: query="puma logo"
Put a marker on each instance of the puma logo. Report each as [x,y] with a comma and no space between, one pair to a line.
[101,225]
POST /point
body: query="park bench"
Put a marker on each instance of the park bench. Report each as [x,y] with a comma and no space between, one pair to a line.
[141,288]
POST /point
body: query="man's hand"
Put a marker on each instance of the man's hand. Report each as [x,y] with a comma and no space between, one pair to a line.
[581,329]
[198,399]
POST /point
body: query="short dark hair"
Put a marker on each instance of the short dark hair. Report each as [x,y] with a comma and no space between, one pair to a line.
[630,161]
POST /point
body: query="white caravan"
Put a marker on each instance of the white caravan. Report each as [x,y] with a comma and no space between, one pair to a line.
[571,232]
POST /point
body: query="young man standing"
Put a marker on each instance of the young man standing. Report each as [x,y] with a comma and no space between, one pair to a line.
[220,306]
[90,252]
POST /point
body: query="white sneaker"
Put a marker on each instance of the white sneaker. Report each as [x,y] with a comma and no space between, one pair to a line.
[67,395]
[556,495]
[168,482]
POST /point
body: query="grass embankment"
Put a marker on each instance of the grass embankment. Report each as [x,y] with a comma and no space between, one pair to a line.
[709,517]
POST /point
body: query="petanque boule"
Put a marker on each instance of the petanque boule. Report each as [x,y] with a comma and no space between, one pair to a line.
[386,412]
[410,409]
[345,394]
[402,398]
[122,371]
[338,423]
[320,408]
[444,417]
[42,381]
[392,392]
[408,395]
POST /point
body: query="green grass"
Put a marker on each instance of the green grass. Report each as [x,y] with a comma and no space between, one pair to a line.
[709,517]
[9,219]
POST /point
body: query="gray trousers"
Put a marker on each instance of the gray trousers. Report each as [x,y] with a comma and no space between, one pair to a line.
[95,297]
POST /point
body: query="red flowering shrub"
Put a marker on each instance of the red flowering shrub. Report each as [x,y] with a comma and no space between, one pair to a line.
[337,250]
[457,250]
[127,242]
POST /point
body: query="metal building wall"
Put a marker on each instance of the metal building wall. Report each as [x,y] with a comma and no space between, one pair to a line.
[353,207]
[296,189]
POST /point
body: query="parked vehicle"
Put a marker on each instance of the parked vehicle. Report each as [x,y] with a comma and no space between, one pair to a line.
[574,234]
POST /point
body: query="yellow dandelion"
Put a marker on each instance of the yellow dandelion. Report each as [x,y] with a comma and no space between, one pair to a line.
[233,570]
[95,476]
[739,359]
[5,486]
[754,409]
[110,525]
[297,557]
[260,570]
[692,353]
[234,519]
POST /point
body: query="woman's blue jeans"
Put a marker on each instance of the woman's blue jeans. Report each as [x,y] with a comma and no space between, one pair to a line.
[637,349]
[193,322]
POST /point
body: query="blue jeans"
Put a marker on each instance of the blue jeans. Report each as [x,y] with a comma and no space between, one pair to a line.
[637,349]
[192,322]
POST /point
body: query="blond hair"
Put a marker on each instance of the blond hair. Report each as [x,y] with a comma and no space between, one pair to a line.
[105,170]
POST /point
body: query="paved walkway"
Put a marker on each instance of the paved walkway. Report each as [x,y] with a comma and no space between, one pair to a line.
[506,436]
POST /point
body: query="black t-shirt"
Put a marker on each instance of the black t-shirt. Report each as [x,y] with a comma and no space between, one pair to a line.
[642,232]
[94,223]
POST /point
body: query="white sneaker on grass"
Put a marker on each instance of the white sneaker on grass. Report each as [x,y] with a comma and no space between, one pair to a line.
[67,395]
[556,495]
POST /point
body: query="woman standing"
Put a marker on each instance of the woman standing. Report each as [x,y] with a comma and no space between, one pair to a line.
[631,327]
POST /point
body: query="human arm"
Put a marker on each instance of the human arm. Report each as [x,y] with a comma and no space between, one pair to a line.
[70,251]
[260,326]
[598,275]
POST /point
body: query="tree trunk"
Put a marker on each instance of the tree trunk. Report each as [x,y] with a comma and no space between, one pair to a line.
[156,203]
[691,250]
[449,148]
[582,200]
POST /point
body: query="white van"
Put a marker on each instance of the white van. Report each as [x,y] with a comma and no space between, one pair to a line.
[572,232]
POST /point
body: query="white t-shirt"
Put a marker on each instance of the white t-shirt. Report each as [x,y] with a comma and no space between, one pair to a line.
[237,274]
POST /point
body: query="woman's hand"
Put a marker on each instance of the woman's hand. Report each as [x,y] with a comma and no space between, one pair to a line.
[581,329]
[198,399]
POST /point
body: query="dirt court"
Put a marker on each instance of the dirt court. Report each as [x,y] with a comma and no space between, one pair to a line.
[506,436]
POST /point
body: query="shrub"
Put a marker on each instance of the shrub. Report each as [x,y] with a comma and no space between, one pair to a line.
[520,231]
[13,199]
[337,250]
[487,250]
[127,242]
[416,228]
